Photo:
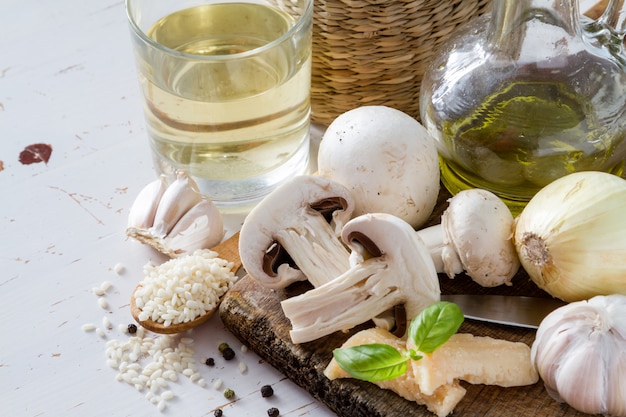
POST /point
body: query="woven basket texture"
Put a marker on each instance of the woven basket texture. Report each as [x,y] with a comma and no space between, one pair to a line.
[375,52]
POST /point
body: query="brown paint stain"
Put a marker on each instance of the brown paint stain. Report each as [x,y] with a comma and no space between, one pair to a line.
[35,153]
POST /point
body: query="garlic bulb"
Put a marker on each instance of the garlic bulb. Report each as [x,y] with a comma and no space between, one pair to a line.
[570,237]
[175,218]
[580,353]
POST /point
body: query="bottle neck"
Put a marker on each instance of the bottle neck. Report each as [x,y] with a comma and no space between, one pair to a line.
[614,17]
[534,27]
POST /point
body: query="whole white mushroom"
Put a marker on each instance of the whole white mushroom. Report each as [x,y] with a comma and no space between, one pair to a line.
[386,159]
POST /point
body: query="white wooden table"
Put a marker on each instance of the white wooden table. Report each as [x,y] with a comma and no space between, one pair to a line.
[67,79]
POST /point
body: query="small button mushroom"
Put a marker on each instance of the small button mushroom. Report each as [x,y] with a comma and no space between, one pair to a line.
[293,233]
[475,236]
[391,266]
[386,159]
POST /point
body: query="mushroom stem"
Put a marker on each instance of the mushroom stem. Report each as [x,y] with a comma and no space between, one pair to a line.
[433,239]
[443,254]
[315,248]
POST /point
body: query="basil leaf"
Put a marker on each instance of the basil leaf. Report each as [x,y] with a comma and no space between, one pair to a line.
[414,355]
[434,326]
[371,362]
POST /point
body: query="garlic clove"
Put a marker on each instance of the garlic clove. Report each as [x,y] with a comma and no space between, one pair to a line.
[200,227]
[143,209]
[178,198]
[175,219]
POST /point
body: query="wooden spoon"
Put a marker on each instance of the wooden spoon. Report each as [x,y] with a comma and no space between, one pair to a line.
[228,250]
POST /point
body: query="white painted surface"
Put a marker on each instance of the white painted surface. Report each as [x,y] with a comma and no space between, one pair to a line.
[67,78]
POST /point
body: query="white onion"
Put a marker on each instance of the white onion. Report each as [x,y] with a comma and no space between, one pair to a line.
[571,237]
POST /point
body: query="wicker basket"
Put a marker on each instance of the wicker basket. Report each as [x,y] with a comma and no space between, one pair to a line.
[374,52]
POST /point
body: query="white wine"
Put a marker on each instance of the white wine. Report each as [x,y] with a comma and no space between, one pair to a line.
[231,104]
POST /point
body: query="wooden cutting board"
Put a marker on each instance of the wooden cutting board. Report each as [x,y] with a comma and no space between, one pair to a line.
[253,314]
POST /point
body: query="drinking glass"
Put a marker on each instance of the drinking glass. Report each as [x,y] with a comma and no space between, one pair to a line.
[226,89]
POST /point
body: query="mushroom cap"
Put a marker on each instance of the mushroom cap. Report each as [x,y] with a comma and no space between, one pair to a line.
[288,208]
[386,159]
[480,228]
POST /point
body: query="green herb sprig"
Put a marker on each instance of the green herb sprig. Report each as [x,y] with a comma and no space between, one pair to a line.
[378,361]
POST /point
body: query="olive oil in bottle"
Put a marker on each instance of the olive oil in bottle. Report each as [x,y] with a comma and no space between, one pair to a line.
[524,137]
[523,96]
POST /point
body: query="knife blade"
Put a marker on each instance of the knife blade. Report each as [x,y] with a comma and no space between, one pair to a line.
[511,310]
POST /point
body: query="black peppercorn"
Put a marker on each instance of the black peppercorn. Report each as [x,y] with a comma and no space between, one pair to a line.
[228,353]
[210,362]
[273,412]
[218,413]
[132,328]
[267,391]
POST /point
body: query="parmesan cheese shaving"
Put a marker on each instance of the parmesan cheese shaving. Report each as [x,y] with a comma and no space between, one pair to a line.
[434,380]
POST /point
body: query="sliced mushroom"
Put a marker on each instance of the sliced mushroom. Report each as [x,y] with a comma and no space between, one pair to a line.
[475,236]
[391,266]
[293,233]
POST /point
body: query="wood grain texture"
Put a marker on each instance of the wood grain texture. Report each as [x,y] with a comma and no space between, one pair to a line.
[253,314]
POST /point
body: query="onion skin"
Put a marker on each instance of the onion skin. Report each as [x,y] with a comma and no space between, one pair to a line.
[571,237]
[580,353]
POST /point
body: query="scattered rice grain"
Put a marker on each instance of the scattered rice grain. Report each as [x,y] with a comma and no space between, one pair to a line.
[217,384]
[161,405]
[103,303]
[106,323]
[119,268]
[163,355]
[243,367]
[97,291]
[167,395]
[88,327]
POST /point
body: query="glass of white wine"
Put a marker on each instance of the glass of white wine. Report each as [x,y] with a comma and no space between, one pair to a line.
[226,89]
